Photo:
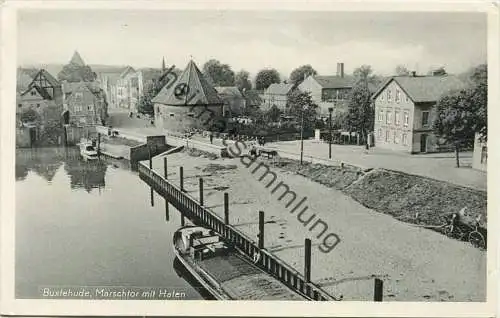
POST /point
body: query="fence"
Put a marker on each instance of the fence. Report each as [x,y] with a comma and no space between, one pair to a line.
[190,208]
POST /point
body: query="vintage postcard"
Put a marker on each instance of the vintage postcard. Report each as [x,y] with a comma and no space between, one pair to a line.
[248,158]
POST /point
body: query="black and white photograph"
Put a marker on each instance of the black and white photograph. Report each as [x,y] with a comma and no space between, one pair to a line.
[171,155]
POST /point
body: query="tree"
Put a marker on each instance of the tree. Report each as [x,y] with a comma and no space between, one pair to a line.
[76,73]
[301,104]
[300,73]
[145,105]
[265,78]
[221,74]
[360,112]
[462,114]
[241,80]
[273,114]
[455,120]
[401,70]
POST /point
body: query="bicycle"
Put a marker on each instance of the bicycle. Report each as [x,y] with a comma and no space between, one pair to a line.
[451,229]
[476,238]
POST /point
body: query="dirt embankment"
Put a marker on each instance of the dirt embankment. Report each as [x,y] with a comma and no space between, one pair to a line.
[398,194]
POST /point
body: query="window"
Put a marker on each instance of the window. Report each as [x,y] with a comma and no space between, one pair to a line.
[37,105]
[382,97]
[91,107]
[389,95]
[407,119]
[33,93]
[405,139]
[389,117]
[381,115]
[407,99]
[172,114]
[396,137]
[190,114]
[398,95]
[387,135]
[397,118]
[425,119]
[380,133]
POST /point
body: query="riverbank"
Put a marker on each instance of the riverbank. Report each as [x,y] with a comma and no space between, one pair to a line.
[416,264]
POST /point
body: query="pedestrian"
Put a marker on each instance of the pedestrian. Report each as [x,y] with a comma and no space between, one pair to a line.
[130,115]
[211,137]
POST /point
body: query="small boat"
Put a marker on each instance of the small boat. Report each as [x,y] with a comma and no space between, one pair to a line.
[223,270]
[88,150]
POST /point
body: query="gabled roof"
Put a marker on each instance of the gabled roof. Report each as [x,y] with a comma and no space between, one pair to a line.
[70,87]
[279,89]
[51,79]
[41,91]
[77,59]
[335,81]
[127,70]
[203,92]
[252,97]
[228,91]
[424,88]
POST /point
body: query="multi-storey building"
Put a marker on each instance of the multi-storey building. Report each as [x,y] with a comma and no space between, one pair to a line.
[405,111]
[277,95]
[86,104]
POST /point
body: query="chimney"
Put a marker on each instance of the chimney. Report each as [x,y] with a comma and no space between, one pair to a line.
[340,70]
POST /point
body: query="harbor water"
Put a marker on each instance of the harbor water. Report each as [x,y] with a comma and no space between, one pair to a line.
[91,224]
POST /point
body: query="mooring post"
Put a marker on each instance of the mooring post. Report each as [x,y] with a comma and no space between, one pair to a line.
[226,208]
[167,214]
[307,265]
[152,197]
[98,144]
[165,167]
[379,289]
[261,229]
[150,158]
[201,191]
[181,173]
[183,222]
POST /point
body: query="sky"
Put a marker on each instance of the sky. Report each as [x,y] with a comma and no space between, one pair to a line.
[253,40]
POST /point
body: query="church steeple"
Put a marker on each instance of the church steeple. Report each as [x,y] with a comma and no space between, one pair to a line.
[77,59]
[163,66]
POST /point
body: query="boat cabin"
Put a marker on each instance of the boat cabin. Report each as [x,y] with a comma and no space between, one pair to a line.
[202,243]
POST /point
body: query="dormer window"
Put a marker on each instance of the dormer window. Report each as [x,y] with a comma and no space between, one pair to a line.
[33,93]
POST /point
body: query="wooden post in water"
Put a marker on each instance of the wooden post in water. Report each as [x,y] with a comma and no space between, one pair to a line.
[201,191]
[307,265]
[167,214]
[98,144]
[261,229]
[150,158]
[183,222]
[165,174]
[226,208]
[379,290]
[152,197]
[181,173]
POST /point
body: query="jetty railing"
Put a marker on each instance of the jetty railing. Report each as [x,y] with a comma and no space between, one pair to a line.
[191,208]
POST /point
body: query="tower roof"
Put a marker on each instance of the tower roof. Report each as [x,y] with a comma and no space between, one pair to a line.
[77,59]
[197,90]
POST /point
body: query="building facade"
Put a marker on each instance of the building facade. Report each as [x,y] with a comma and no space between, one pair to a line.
[277,95]
[405,111]
[234,102]
[86,104]
[43,96]
[187,102]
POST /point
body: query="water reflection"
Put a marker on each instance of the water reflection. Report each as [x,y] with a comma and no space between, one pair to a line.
[45,162]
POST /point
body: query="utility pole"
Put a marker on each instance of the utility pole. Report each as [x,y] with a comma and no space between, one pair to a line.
[330,110]
[302,137]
